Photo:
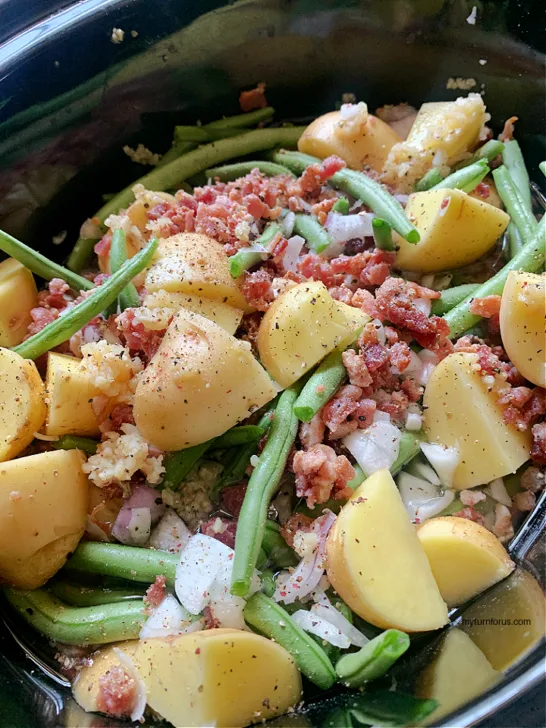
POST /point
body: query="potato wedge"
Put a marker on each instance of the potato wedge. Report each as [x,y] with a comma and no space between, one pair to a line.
[18,295]
[362,140]
[456,230]
[220,677]
[201,382]
[523,324]
[22,403]
[194,264]
[458,672]
[387,581]
[461,411]
[465,558]
[43,506]
[69,395]
[225,316]
[301,327]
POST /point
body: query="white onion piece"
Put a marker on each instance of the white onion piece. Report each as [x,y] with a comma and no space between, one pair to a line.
[129,666]
[374,448]
[379,416]
[334,616]
[423,304]
[428,280]
[435,506]
[497,490]
[314,624]
[132,526]
[170,534]
[423,470]
[342,228]
[429,361]
[414,422]
[168,618]
[415,367]
[225,606]
[287,224]
[199,564]
[443,459]
[380,331]
[422,499]
[292,253]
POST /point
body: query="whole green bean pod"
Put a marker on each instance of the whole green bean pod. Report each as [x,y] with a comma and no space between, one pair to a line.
[78,625]
[245,259]
[382,234]
[128,297]
[451,297]
[312,231]
[172,174]
[229,172]
[321,386]
[529,259]
[201,134]
[269,619]
[262,485]
[73,442]
[512,159]
[465,179]
[521,214]
[124,562]
[515,240]
[177,150]
[240,435]
[361,187]
[40,265]
[430,179]
[242,121]
[373,660]
[487,151]
[100,298]
[80,595]
[274,545]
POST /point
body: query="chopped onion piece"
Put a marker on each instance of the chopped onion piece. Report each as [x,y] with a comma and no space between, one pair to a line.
[199,564]
[287,223]
[226,608]
[342,228]
[429,361]
[314,624]
[375,447]
[292,253]
[423,304]
[379,416]
[414,422]
[422,470]
[129,666]
[443,459]
[328,612]
[170,534]
[422,499]
[168,618]
[497,490]
[139,526]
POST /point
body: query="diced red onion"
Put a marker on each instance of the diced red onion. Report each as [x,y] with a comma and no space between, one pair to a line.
[375,447]
[170,534]
[128,665]
[443,459]
[139,513]
[199,564]
[318,626]
[292,253]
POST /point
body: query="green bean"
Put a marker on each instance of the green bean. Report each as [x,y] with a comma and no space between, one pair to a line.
[515,240]
[408,449]
[269,583]
[262,559]
[229,172]
[512,159]
[342,206]
[73,442]
[358,479]
[382,234]
[321,386]
[488,151]
[39,264]
[240,121]
[373,660]
[78,625]
[529,259]
[100,298]
[245,259]
[451,297]
[269,619]
[179,463]
[465,179]
[79,595]
[239,436]
[124,562]
[513,200]
[360,187]
[172,174]
[261,487]
[542,167]
[312,231]
[201,134]
[278,551]
[128,297]
[430,179]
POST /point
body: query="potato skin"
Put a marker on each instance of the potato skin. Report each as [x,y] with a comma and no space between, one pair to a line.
[523,324]
[43,506]
[200,382]
[69,394]
[18,295]
[22,403]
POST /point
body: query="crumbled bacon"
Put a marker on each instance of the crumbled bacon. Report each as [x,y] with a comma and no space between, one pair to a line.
[121,414]
[257,289]
[322,208]
[312,432]
[315,267]
[211,622]
[483,190]
[486,307]
[118,693]
[533,479]
[102,248]
[296,522]
[253,99]
[471,514]
[321,474]
[507,133]
[335,414]
[355,364]
[503,527]
[232,497]
[138,338]
[522,406]
[538,447]
[314,176]
[525,501]
[400,356]
[41,317]
[157,592]
[341,293]
[222,529]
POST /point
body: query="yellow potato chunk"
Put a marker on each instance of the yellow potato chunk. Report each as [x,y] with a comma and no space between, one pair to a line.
[69,395]
[18,295]
[301,327]
[455,229]
[221,677]
[22,403]
[458,672]
[377,564]
[194,264]
[523,324]
[86,686]
[509,620]
[200,382]
[465,558]
[461,411]
[361,139]
[43,506]
[442,134]
[225,316]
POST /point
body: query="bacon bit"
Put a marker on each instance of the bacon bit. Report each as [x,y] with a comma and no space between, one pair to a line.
[157,592]
[321,474]
[471,497]
[523,406]
[538,447]
[486,307]
[503,527]
[102,248]
[359,376]
[210,620]
[253,99]
[224,531]
[400,356]
[471,514]
[313,177]
[340,293]
[525,501]
[364,412]
[296,522]
[118,693]
[315,267]
[312,432]
[322,208]
[507,133]
[257,289]
[365,300]
[482,191]
[232,497]
[136,336]
[336,412]
[533,479]
[370,268]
